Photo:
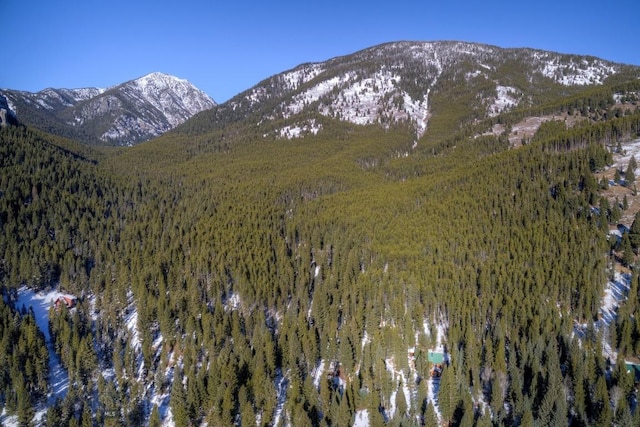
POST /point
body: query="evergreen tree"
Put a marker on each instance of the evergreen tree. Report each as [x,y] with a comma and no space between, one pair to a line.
[24,408]
[634,232]
[430,417]
[629,175]
[627,251]
[154,417]
[447,395]
[179,400]
[401,402]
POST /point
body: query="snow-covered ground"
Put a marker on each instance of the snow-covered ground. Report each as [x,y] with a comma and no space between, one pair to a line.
[629,149]
[40,302]
[317,374]
[615,293]
[282,384]
[362,418]
[506,97]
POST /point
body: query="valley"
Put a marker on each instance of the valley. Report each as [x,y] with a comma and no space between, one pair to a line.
[414,234]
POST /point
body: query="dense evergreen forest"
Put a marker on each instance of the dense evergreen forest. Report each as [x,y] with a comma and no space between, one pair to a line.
[299,282]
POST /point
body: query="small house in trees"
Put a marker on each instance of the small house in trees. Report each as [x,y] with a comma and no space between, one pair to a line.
[633,366]
[435,357]
[437,360]
[69,301]
[435,371]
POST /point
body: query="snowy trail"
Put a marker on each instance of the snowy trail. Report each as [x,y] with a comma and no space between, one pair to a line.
[40,303]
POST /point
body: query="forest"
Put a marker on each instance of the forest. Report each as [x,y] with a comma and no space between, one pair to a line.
[303,282]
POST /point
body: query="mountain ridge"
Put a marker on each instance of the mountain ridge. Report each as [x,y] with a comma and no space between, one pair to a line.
[399,82]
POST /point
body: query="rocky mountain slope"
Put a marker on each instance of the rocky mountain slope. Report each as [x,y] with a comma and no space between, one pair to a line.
[403,82]
[126,114]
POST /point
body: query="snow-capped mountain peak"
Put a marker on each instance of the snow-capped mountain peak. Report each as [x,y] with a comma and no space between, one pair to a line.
[177,98]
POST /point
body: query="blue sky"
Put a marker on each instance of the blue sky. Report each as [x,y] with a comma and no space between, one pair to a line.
[225,47]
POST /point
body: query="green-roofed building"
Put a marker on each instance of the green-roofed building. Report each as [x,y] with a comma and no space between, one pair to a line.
[633,367]
[436,357]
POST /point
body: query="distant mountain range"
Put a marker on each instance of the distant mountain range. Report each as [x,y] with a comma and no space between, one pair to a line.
[125,114]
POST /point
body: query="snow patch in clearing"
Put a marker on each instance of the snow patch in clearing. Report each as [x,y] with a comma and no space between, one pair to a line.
[505,98]
[131,320]
[40,302]
[282,384]
[366,339]
[317,374]
[232,301]
[629,149]
[362,418]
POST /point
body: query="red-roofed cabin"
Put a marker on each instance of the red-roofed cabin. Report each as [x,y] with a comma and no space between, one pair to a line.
[68,300]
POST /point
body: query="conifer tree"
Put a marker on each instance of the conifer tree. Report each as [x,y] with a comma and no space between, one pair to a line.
[447,395]
[179,400]
[401,402]
[24,408]
[634,232]
[154,417]
[627,251]
[430,417]
[629,175]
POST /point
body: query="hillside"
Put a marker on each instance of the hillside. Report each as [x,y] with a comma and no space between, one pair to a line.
[245,270]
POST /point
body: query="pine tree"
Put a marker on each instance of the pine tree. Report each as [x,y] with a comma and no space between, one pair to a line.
[179,400]
[447,395]
[634,232]
[629,175]
[401,402]
[24,409]
[154,417]
[627,251]
[430,417]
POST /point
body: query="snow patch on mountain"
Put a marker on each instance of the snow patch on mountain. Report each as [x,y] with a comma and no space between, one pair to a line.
[313,94]
[572,73]
[362,100]
[301,75]
[83,94]
[300,129]
[506,97]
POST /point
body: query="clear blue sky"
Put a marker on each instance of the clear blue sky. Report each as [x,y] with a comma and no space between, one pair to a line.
[227,46]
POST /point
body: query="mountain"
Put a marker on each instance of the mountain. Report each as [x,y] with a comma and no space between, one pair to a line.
[283,259]
[409,82]
[125,114]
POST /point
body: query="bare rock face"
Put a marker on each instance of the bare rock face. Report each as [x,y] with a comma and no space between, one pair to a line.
[7,116]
